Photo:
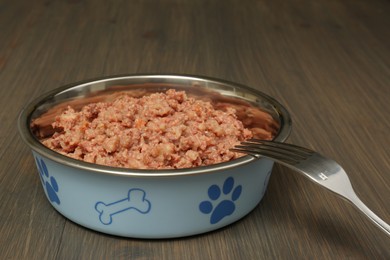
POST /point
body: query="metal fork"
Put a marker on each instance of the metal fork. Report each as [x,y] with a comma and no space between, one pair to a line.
[319,169]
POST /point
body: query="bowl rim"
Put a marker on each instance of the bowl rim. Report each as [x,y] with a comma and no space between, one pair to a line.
[24,120]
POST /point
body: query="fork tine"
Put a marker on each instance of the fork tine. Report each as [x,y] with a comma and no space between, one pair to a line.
[260,147]
[290,148]
[284,153]
[246,151]
[257,151]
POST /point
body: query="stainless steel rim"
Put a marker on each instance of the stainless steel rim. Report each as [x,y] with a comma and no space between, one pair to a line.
[26,114]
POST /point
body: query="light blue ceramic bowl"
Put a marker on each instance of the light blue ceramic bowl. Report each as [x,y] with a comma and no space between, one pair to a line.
[151,203]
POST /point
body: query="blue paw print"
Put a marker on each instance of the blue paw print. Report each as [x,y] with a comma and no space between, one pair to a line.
[49,182]
[225,207]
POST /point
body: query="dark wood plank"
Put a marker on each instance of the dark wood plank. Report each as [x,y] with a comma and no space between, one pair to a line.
[328,62]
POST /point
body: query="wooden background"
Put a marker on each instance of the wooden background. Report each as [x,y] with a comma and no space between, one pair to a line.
[327,61]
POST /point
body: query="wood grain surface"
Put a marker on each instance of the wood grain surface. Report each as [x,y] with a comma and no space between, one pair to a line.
[327,61]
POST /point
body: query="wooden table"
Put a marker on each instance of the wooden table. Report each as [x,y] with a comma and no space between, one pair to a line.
[328,62]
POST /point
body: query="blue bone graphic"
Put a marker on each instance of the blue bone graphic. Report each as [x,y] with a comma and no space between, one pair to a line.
[135,200]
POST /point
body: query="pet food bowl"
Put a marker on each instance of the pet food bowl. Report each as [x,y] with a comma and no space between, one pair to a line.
[152,203]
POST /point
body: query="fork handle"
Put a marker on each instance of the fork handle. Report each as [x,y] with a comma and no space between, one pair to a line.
[354,199]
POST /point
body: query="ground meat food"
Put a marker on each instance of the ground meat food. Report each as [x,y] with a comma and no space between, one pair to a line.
[158,131]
